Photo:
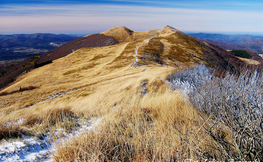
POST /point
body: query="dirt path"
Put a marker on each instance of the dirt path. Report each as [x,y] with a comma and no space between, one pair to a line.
[136,52]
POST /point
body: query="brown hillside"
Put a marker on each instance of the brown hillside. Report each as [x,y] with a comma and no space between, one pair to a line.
[95,40]
[125,88]
[14,70]
[167,47]
[120,34]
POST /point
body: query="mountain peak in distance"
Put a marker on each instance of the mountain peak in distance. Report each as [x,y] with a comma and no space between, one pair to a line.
[120,34]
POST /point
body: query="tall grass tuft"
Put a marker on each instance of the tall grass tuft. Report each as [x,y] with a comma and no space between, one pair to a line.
[158,128]
[11,131]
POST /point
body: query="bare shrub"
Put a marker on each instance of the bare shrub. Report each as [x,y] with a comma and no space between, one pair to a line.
[233,106]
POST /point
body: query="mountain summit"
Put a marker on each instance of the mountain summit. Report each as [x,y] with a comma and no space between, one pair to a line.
[166,46]
[114,53]
[120,34]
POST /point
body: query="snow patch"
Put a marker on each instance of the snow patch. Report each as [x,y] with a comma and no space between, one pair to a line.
[18,122]
[25,149]
[41,149]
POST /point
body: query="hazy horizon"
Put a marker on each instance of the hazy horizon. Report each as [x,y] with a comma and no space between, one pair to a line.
[82,17]
[87,33]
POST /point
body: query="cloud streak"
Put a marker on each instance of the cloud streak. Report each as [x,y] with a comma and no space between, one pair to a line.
[100,17]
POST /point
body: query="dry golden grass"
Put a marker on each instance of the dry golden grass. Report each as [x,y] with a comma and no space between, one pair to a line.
[38,121]
[154,128]
[12,131]
[98,91]
[123,34]
[120,34]
[249,61]
[73,72]
[159,126]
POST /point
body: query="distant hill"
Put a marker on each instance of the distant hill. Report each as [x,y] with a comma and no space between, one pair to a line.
[21,46]
[9,72]
[94,40]
[233,42]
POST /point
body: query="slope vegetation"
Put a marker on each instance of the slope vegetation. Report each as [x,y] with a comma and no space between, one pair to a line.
[125,84]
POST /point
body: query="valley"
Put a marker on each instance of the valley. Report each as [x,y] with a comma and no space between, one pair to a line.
[233,42]
[21,46]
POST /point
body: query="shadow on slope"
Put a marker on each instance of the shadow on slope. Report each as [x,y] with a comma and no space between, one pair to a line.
[15,69]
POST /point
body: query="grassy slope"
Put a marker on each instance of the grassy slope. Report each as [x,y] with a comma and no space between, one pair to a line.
[249,61]
[93,71]
[105,85]
[83,68]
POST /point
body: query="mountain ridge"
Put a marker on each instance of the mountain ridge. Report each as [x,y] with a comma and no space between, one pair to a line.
[166,46]
[233,42]
[143,114]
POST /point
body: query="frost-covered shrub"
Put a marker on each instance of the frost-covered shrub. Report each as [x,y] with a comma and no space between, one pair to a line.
[190,80]
[233,101]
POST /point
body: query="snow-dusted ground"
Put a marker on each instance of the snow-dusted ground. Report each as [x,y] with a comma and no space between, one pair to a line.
[25,149]
[40,149]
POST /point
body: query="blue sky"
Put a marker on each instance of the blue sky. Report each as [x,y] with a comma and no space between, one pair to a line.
[82,16]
